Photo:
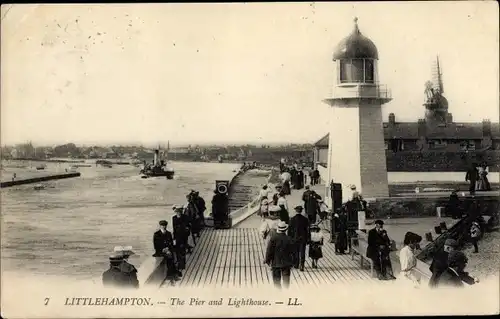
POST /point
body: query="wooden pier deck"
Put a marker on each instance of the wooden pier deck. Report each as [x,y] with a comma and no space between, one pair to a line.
[235,258]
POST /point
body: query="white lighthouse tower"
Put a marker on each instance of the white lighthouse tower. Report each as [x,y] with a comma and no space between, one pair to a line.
[356,141]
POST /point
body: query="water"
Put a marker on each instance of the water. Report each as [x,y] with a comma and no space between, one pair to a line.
[70,228]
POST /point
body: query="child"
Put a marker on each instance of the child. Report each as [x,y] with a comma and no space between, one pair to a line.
[475,232]
[315,251]
[264,208]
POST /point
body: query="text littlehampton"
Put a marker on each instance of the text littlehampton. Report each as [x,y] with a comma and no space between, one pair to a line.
[113,301]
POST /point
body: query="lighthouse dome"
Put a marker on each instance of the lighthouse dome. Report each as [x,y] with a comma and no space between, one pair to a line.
[355,46]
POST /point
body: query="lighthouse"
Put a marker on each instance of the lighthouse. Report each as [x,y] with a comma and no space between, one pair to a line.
[356,144]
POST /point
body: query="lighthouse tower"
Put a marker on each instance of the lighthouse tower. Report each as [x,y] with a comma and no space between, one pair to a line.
[356,141]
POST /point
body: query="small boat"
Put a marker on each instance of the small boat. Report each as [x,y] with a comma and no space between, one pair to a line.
[41,167]
[39,187]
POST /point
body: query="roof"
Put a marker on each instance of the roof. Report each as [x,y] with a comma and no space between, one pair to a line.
[355,46]
[409,130]
[323,141]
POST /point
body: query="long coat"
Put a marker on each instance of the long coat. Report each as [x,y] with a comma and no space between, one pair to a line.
[375,241]
[438,266]
[162,241]
[181,227]
[299,228]
[280,251]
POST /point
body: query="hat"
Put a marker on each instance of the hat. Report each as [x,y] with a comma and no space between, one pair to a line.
[455,257]
[307,187]
[451,242]
[116,257]
[379,222]
[298,208]
[353,187]
[124,250]
[163,223]
[282,227]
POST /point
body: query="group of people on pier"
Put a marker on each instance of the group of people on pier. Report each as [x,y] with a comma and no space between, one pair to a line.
[189,220]
[173,247]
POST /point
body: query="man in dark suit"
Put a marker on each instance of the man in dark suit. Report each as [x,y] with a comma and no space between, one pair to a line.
[163,243]
[279,255]
[376,246]
[472,176]
[299,231]
[440,261]
[453,274]
[181,228]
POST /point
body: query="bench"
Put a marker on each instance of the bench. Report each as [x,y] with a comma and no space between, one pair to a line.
[360,249]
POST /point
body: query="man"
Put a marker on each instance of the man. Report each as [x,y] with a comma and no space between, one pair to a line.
[191,210]
[219,209]
[453,205]
[181,228]
[440,261]
[299,231]
[279,256]
[305,196]
[312,206]
[453,274]
[200,204]
[164,247]
[376,247]
[472,176]
[115,276]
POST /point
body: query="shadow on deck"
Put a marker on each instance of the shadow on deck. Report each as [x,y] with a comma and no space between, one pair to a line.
[234,258]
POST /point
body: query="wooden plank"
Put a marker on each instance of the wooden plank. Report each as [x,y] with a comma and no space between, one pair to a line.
[209,268]
[211,249]
[251,261]
[222,262]
[200,251]
[228,273]
[236,258]
[333,267]
[191,259]
[259,260]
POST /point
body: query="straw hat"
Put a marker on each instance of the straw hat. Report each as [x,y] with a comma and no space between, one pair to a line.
[282,227]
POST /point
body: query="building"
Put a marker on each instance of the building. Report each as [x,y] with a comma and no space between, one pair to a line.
[435,142]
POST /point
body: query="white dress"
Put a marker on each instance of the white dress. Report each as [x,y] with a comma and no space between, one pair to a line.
[408,261]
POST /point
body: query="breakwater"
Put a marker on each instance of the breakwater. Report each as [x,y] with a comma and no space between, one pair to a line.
[37,179]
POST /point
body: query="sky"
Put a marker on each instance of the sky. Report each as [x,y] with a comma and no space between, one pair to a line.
[189,73]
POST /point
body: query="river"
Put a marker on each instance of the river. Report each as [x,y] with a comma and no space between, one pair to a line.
[70,228]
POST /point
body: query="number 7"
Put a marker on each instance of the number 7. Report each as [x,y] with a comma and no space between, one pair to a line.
[47,301]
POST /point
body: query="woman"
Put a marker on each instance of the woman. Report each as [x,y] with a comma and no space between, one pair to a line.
[482,183]
[407,257]
[315,251]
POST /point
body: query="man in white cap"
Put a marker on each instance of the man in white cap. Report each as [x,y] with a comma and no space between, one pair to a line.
[280,255]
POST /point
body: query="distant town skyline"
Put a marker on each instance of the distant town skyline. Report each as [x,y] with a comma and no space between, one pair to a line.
[228,73]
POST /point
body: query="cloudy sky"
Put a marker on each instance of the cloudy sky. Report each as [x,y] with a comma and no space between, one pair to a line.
[228,72]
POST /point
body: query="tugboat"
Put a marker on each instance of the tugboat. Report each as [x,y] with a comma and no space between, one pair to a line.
[158,169]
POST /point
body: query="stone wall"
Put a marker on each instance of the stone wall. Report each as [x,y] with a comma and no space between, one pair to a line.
[403,207]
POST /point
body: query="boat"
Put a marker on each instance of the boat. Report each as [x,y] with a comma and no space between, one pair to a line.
[41,167]
[158,169]
[104,163]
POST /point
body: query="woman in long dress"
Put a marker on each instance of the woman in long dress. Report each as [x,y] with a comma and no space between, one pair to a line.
[482,183]
[315,251]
